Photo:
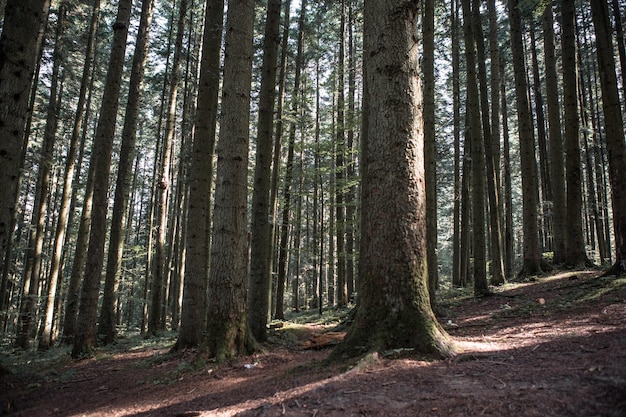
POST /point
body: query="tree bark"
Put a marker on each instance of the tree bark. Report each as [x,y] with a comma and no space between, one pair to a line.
[107,319]
[85,338]
[22,33]
[477,152]
[261,229]
[614,130]
[557,170]
[430,146]
[193,315]
[394,310]
[575,250]
[532,251]
[284,224]
[227,324]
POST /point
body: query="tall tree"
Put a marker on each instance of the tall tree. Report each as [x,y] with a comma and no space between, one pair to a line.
[200,179]
[284,224]
[46,339]
[394,309]
[22,32]
[477,151]
[456,115]
[42,189]
[530,185]
[491,158]
[340,173]
[430,146]
[575,255]
[557,170]
[227,324]
[261,229]
[614,130]
[107,319]
[85,339]
[156,321]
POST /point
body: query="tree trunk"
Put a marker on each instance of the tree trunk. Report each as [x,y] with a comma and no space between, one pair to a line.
[85,338]
[284,224]
[156,321]
[34,254]
[491,159]
[477,155]
[394,310]
[456,109]
[261,229]
[575,249]
[557,170]
[200,179]
[614,128]
[22,33]
[532,251]
[227,324]
[506,183]
[340,174]
[430,146]
[106,325]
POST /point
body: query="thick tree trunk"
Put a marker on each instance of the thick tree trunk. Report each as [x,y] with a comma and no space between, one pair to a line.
[394,307]
[227,325]
[85,338]
[261,229]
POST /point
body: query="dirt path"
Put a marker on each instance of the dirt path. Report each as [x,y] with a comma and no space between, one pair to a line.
[556,347]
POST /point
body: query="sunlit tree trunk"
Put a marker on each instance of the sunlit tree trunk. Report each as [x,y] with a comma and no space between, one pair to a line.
[85,338]
[394,308]
[228,332]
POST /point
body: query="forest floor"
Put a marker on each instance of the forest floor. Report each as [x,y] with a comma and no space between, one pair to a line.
[553,347]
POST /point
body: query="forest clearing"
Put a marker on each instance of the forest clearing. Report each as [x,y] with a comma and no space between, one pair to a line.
[555,346]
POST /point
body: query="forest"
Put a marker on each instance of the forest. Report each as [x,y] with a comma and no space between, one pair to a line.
[200,174]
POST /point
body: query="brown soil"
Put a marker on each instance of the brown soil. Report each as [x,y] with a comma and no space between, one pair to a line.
[555,347]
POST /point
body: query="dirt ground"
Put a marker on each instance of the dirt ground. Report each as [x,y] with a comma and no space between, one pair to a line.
[554,347]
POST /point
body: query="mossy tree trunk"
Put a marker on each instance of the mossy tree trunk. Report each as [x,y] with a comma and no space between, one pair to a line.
[394,307]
